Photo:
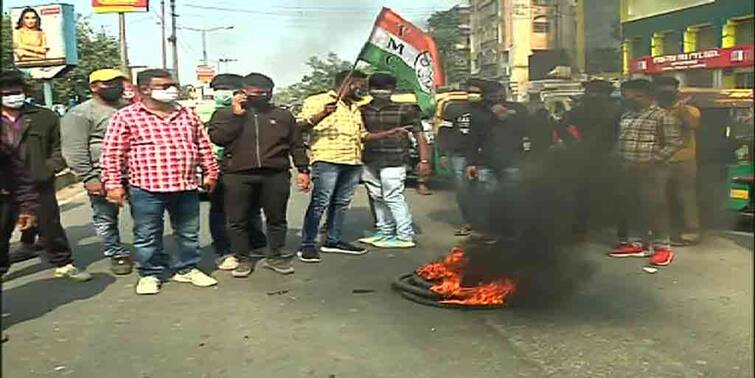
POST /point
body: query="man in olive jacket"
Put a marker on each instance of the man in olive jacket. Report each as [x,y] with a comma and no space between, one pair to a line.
[35,132]
[260,140]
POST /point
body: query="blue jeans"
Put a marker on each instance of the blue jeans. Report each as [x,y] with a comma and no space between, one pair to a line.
[458,167]
[105,220]
[333,186]
[386,188]
[147,209]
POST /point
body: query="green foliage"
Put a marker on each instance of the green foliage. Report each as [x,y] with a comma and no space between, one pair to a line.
[97,50]
[320,79]
[444,27]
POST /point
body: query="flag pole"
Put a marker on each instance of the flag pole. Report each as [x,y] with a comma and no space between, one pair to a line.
[346,80]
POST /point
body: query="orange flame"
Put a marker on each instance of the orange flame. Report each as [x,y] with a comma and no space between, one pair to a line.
[447,274]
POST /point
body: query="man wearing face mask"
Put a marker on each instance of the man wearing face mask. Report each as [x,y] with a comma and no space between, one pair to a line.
[385,156]
[494,158]
[260,141]
[648,138]
[35,132]
[224,86]
[685,218]
[160,144]
[591,130]
[82,131]
[336,127]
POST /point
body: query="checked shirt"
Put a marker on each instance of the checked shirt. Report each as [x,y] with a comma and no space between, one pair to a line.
[649,136]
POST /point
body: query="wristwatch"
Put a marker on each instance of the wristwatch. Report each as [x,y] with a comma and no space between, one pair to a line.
[303,170]
[424,161]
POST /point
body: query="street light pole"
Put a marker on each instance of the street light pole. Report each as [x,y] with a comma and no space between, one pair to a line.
[173,38]
[123,46]
[162,30]
[204,32]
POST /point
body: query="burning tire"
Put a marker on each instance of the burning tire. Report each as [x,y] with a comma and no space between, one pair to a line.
[439,284]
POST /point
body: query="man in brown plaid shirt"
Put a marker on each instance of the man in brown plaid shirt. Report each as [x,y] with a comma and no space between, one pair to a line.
[649,136]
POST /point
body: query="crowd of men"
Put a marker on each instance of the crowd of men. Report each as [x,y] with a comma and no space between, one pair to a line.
[145,150]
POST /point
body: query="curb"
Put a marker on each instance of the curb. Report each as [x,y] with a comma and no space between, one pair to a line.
[65,178]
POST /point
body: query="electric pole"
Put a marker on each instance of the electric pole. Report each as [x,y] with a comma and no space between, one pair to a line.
[173,40]
[123,46]
[162,27]
[204,39]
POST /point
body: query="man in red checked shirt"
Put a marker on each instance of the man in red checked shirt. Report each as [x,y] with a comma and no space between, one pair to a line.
[159,145]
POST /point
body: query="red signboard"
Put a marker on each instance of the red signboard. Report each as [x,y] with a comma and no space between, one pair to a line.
[732,57]
[118,6]
[205,73]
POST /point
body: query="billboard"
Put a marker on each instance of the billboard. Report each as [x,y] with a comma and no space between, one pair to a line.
[732,57]
[44,36]
[120,6]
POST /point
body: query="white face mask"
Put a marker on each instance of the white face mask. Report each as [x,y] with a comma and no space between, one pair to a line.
[165,95]
[14,101]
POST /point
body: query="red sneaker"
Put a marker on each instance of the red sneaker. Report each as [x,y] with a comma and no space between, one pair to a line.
[662,257]
[629,250]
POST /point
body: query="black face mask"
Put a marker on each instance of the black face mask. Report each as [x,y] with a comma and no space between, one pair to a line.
[258,101]
[111,94]
[666,98]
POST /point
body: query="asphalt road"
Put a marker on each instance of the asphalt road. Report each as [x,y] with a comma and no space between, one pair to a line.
[695,318]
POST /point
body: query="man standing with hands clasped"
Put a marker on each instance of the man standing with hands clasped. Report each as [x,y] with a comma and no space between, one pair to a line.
[260,140]
[160,144]
[82,130]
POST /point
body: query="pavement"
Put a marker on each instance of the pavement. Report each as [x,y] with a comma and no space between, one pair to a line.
[692,319]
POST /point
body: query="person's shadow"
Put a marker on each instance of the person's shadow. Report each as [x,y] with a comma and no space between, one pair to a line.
[38,297]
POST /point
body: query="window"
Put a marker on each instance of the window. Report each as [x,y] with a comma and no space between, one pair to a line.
[699,78]
[639,48]
[744,32]
[672,43]
[744,80]
[540,25]
[707,38]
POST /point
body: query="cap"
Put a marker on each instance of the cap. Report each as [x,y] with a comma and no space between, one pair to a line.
[227,81]
[105,75]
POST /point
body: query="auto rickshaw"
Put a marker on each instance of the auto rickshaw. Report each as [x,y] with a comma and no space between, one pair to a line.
[725,151]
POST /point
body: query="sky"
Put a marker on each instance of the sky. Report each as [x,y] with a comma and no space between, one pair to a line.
[274,37]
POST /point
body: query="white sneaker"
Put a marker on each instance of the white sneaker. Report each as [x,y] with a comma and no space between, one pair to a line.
[196,278]
[148,286]
[71,272]
[228,262]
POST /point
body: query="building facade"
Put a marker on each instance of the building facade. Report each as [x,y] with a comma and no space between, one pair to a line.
[703,43]
[515,41]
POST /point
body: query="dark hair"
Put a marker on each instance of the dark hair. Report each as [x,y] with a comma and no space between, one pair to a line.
[341,76]
[227,81]
[26,10]
[12,78]
[258,80]
[665,81]
[382,80]
[145,77]
[640,85]
[598,86]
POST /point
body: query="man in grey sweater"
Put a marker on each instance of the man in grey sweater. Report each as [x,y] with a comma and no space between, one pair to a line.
[82,131]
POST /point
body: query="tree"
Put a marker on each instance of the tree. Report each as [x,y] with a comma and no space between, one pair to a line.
[444,27]
[96,50]
[320,79]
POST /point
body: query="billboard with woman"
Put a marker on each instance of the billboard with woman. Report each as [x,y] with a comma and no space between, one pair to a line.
[44,36]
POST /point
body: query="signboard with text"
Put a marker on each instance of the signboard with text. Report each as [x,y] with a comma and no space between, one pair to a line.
[205,74]
[120,6]
[44,36]
[733,57]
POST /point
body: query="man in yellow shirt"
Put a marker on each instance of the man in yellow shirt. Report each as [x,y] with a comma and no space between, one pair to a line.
[336,153]
[685,218]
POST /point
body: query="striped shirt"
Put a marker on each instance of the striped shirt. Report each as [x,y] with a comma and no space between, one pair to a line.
[649,136]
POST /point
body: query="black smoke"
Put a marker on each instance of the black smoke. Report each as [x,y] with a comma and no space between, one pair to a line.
[537,225]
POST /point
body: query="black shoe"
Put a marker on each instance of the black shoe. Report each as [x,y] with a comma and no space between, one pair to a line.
[279,265]
[309,255]
[245,269]
[25,252]
[343,247]
[121,265]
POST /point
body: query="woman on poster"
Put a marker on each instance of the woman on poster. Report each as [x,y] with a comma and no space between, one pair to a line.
[29,41]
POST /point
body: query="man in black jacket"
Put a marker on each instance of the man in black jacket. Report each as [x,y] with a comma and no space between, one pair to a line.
[35,132]
[495,155]
[260,139]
